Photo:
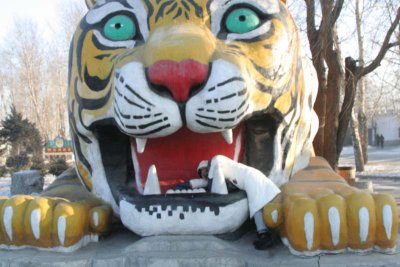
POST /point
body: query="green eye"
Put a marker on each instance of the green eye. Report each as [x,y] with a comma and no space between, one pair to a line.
[242,20]
[120,28]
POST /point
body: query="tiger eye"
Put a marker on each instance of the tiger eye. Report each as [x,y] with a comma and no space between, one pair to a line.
[120,28]
[242,20]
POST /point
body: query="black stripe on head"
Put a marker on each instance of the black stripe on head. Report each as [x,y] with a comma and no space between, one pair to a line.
[198,10]
[90,104]
[150,9]
[81,157]
[72,123]
[70,61]
[95,83]
[167,4]
[173,6]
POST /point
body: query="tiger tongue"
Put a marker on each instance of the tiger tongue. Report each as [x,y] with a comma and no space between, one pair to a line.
[177,156]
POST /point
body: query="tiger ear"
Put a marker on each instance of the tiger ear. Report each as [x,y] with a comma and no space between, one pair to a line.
[90,3]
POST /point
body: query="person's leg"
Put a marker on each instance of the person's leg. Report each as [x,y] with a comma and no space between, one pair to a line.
[265,237]
[259,221]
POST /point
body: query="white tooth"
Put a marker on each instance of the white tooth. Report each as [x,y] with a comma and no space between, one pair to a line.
[219,183]
[170,191]
[141,145]
[228,136]
[152,185]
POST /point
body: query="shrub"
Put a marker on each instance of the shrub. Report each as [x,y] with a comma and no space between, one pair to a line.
[18,163]
[3,170]
[38,164]
[57,166]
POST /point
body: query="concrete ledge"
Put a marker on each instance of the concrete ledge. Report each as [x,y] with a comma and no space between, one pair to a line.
[126,249]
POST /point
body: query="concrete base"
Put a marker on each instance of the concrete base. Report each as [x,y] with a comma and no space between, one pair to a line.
[126,249]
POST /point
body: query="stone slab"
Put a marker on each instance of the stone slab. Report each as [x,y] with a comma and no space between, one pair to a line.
[126,249]
[26,182]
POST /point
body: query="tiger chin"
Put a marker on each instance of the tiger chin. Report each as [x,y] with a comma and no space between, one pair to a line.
[155,88]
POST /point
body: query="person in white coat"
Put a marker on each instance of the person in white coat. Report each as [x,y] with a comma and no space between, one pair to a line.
[222,174]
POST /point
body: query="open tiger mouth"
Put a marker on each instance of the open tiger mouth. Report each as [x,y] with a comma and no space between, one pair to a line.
[154,206]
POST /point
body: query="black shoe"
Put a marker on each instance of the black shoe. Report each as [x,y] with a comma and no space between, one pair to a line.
[265,240]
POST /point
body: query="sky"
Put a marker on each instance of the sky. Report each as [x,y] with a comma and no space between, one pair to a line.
[42,11]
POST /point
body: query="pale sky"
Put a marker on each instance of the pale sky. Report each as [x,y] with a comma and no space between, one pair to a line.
[44,12]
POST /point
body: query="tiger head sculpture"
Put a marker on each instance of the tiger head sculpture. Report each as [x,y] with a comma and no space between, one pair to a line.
[155,87]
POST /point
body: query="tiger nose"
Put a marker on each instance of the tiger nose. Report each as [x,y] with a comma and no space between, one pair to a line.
[180,78]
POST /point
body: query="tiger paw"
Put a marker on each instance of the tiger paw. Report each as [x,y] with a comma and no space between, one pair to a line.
[50,223]
[318,212]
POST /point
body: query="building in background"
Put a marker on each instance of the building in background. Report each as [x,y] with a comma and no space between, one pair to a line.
[387,125]
[58,148]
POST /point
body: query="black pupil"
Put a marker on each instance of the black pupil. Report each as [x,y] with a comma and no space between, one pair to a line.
[242,18]
[118,26]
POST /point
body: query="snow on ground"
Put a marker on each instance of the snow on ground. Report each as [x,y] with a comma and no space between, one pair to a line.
[382,162]
[5,184]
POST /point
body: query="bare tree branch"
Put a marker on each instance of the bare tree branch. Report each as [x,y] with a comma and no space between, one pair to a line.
[311,27]
[386,45]
[336,12]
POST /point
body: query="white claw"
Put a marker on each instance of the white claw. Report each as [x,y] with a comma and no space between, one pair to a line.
[35,223]
[274,216]
[388,220]
[218,182]
[61,227]
[363,216]
[309,229]
[334,222]
[228,136]
[141,145]
[152,184]
[96,218]
[7,219]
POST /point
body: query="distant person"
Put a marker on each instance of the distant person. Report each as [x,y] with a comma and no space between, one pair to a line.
[382,141]
[377,143]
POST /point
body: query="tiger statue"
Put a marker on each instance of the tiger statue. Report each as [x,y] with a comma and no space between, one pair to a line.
[157,86]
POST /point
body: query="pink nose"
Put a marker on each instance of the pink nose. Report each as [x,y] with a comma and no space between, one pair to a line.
[178,78]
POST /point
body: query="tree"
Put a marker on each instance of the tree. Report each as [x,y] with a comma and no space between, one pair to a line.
[356,78]
[25,61]
[23,137]
[33,70]
[334,75]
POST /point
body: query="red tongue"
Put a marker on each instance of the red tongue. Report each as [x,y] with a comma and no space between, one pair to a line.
[177,156]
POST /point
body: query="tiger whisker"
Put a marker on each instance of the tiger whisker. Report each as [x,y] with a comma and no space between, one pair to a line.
[118,117]
[230,80]
[206,117]
[239,93]
[144,126]
[133,103]
[208,125]
[138,96]
[125,116]
[118,92]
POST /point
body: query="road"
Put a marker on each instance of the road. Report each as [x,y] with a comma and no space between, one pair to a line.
[383,169]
